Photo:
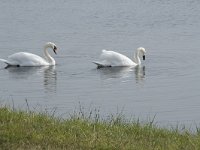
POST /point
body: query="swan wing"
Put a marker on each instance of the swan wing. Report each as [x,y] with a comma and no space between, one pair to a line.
[26,59]
[112,58]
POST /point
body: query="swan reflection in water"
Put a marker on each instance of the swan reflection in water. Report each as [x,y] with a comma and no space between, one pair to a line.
[50,78]
[123,72]
[48,73]
[139,73]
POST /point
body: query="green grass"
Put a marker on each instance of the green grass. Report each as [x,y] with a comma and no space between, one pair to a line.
[29,130]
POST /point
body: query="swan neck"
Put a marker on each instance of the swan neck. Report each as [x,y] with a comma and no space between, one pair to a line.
[137,58]
[48,57]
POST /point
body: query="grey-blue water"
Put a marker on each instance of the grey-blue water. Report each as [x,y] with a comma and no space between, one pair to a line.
[166,85]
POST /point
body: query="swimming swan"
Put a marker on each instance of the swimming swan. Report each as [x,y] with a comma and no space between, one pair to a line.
[111,59]
[29,59]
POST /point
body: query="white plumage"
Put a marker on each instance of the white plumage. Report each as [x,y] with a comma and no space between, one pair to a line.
[112,58]
[29,59]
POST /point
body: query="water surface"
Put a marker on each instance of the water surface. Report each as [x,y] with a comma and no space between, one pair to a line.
[166,85]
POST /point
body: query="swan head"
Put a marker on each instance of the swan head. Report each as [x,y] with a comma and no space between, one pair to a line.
[51,45]
[142,51]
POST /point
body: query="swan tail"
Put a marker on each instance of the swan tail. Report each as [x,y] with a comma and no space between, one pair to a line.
[101,65]
[5,61]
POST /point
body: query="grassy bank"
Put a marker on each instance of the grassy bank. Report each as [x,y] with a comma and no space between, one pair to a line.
[22,130]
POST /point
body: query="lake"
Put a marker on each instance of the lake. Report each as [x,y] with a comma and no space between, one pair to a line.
[166,85]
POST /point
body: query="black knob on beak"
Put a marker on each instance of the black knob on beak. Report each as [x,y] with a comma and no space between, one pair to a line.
[143,57]
[55,49]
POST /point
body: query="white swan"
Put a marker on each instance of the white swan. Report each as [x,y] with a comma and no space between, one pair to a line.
[29,59]
[111,59]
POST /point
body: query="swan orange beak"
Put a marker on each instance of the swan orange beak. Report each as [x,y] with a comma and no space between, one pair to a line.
[55,49]
[143,57]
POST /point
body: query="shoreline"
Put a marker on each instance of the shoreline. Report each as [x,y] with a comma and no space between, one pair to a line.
[30,130]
